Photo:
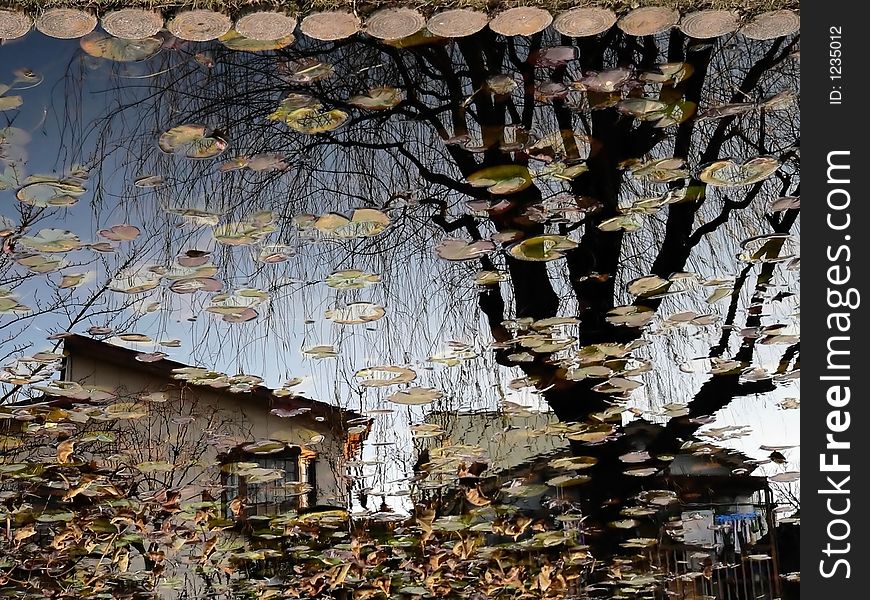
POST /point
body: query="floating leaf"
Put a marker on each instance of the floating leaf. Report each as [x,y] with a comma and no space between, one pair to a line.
[603,82]
[670,73]
[72,280]
[573,462]
[662,170]
[526,490]
[502,179]
[351,279]
[321,351]
[785,477]
[305,70]
[120,233]
[193,141]
[727,173]
[235,41]
[134,282]
[502,85]
[385,376]
[487,278]
[51,240]
[554,56]
[628,223]
[378,98]
[364,222]
[415,396]
[245,233]
[648,285]
[195,284]
[459,250]
[261,163]
[355,313]
[10,102]
[46,191]
[102,45]
[313,120]
[542,248]
[149,181]
[630,316]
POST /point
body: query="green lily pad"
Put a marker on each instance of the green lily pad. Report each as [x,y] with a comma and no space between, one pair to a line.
[193,141]
[502,179]
[542,248]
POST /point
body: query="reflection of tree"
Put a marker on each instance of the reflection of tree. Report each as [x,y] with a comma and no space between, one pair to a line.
[381,158]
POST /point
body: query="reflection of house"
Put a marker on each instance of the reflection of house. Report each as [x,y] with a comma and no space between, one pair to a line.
[210,425]
[713,537]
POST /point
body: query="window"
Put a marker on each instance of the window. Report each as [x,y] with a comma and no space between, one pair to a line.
[291,490]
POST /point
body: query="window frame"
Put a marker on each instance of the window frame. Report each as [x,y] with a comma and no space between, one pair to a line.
[303,471]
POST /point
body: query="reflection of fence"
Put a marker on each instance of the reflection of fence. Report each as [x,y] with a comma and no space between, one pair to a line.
[723,570]
[744,579]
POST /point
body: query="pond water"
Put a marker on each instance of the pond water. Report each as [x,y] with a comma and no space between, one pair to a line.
[555,280]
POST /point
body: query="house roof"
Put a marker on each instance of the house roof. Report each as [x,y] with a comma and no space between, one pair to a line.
[126,358]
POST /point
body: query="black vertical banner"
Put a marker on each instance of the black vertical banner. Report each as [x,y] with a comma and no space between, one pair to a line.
[836,269]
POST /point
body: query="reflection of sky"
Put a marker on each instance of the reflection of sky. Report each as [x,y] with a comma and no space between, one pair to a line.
[428,302]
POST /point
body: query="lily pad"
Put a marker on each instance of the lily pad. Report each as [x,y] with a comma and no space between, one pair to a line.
[502,179]
[727,173]
[120,233]
[102,45]
[364,222]
[193,141]
[378,98]
[460,250]
[415,396]
[355,313]
[47,191]
[52,240]
[542,248]
[315,120]
[385,376]
[236,41]
[351,279]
